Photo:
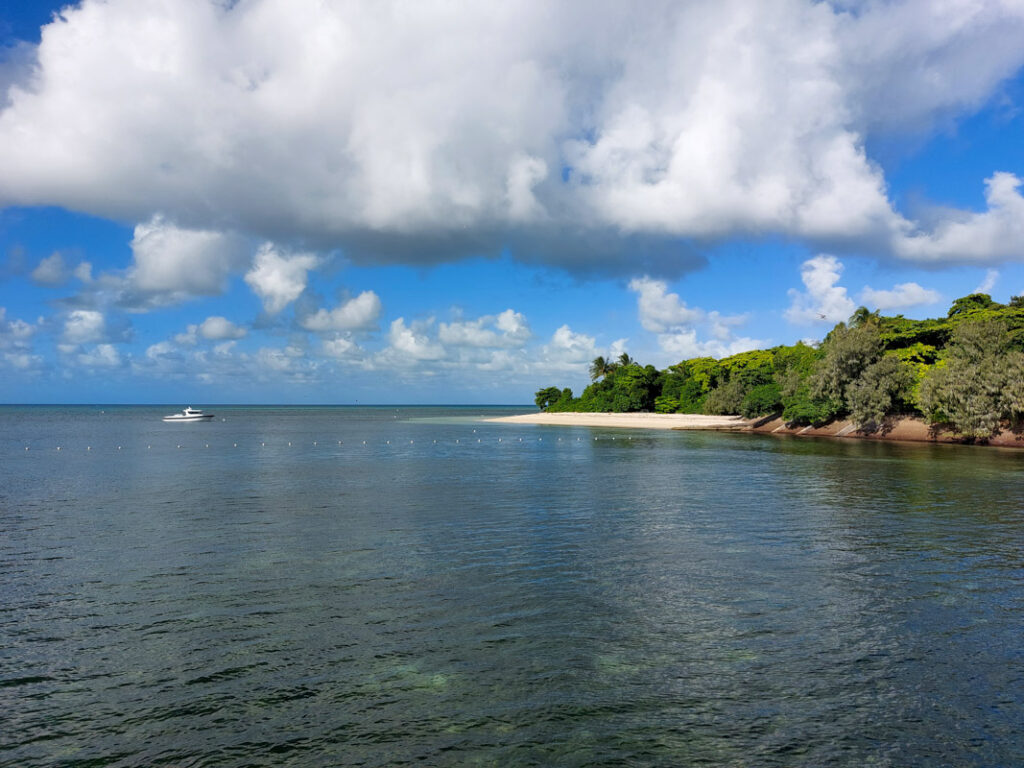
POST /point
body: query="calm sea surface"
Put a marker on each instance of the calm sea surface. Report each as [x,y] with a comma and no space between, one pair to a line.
[386,587]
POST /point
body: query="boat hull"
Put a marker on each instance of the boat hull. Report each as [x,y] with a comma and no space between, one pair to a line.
[204,417]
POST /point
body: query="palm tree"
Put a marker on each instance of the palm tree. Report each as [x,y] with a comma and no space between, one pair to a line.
[625,360]
[600,367]
[862,316]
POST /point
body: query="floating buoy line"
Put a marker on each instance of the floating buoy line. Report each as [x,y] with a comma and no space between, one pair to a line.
[328,445]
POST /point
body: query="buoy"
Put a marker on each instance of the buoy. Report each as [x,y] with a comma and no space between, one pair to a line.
[236,445]
[148,447]
[58,447]
[456,439]
[263,444]
[88,447]
[26,447]
[207,445]
[289,445]
[410,442]
[314,442]
[119,447]
[179,446]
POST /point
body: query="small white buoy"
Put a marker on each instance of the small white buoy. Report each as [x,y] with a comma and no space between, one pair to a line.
[58,447]
[478,439]
[26,447]
[236,445]
[119,447]
[148,447]
[179,446]
[314,442]
[387,442]
[410,442]
[263,444]
[364,442]
[456,439]
[207,445]
[88,447]
[289,445]
[499,439]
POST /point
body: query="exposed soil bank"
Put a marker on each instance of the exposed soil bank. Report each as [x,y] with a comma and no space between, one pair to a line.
[903,430]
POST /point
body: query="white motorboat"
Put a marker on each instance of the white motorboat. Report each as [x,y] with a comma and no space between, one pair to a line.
[189,414]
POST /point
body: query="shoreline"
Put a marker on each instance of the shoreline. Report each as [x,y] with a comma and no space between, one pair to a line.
[904,430]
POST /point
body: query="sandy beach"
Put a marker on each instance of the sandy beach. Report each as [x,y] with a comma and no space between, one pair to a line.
[630,420]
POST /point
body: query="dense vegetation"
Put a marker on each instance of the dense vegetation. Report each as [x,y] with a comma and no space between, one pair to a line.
[963,372]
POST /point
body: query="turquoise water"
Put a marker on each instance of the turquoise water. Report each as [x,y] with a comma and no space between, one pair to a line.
[507,595]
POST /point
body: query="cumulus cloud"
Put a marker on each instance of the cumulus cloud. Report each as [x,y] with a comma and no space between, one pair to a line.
[660,310]
[171,264]
[993,235]
[83,326]
[100,356]
[684,344]
[823,300]
[412,342]
[507,329]
[51,270]
[360,313]
[901,296]
[667,315]
[989,281]
[279,278]
[218,328]
[420,135]
[568,350]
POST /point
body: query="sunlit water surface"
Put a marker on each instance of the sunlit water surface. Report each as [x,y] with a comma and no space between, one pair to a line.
[385,587]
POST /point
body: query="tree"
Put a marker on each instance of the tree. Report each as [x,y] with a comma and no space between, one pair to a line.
[885,387]
[848,351]
[625,360]
[862,316]
[547,397]
[971,303]
[600,368]
[981,384]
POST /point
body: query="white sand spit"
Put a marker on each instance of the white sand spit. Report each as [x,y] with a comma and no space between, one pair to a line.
[629,420]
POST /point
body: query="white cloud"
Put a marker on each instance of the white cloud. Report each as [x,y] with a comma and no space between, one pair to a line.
[507,329]
[218,328]
[83,326]
[901,296]
[51,270]
[172,264]
[278,278]
[341,347]
[426,134]
[996,234]
[360,313]
[412,341]
[823,300]
[986,285]
[101,356]
[659,310]
[568,350]
[83,272]
[684,344]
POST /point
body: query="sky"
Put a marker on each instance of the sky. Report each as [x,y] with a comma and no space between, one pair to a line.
[378,201]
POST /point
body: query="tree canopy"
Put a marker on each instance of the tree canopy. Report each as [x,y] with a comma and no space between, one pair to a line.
[963,372]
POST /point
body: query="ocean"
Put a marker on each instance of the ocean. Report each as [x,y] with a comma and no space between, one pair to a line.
[391,586]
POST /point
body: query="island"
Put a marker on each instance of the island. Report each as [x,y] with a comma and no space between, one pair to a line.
[958,378]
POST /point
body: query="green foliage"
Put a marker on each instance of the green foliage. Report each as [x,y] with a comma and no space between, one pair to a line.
[971,304]
[966,370]
[848,352]
[546,397]
[885,387]
[980,384]
[762,400]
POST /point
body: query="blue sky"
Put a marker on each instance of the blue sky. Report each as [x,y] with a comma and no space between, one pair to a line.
[270,201]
